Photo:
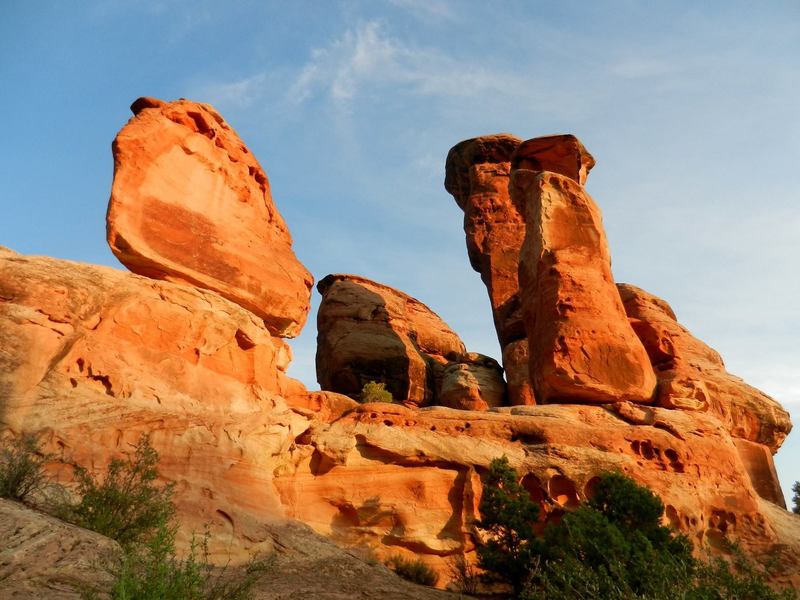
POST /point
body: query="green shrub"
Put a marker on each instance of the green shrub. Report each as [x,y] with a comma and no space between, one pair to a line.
[374,391]
[152,571]
[507,515]
[464,576]
[22,468]
[413,570]
[796,498]
[611,548]
[127,505]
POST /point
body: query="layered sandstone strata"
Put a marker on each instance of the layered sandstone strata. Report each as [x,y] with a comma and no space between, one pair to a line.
[367,331]
[692,377]
[581,346]
[191,204]
[94,357]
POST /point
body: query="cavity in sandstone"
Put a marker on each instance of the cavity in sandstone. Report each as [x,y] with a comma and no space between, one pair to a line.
[190,204]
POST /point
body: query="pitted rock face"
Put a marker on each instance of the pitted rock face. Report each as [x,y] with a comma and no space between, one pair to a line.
[191,204]
[94,357]
[368,331]
[581,345]
[691,376]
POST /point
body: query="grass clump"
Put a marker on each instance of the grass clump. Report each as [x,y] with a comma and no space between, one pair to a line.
[22,472]
[414,570]
[153,571]
[374,391]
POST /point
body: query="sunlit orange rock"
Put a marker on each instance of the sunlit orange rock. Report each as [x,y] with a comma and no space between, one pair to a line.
[692,376]
[562,154]
[191,204]
[581,345]
[94,357]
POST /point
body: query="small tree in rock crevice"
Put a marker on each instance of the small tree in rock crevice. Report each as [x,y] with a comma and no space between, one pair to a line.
[507,516]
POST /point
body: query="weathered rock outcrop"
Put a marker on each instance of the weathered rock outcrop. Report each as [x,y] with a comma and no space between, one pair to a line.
[367,331]
[581,346]
[191,204]
[477,173]
[42,557]
[409,481]
[692,377]
[93,357]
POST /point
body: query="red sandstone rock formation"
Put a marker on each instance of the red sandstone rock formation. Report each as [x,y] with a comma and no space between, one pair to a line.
[581,346]
[692,377]
[191,204]
[367,331]
[477,172]
[94,357]
[562,154]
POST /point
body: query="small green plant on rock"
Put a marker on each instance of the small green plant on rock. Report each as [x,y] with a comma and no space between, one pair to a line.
[414,570]
[374,391]
[22,468]
[127,505]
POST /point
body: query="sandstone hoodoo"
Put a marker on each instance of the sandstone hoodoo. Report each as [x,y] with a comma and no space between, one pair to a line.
[191,353]
[367,331]
[477,172]
[191,204]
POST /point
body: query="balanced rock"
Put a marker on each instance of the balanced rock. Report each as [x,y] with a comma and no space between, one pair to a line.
[190,204]
[367,331]
[581,345]
[477,173]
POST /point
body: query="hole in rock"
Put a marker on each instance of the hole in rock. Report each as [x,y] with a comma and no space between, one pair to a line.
[225,517]
[563,492]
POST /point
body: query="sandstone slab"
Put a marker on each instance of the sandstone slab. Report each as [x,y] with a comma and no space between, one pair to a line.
[581,345]
[190,204]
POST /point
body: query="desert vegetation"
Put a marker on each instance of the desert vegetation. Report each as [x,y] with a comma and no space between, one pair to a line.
[374,391]
[612,547]
[127,504]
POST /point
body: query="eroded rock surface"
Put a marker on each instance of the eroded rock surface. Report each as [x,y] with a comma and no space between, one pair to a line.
[42,557]
[692,377]
[477,173]
[581,345]
[191,204]
[93,357]
[367,331]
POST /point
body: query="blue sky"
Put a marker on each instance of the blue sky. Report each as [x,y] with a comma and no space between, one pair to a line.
[691,112]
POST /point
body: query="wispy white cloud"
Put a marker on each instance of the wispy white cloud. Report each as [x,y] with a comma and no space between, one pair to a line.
[240,93]
[427,10]
[368,57]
